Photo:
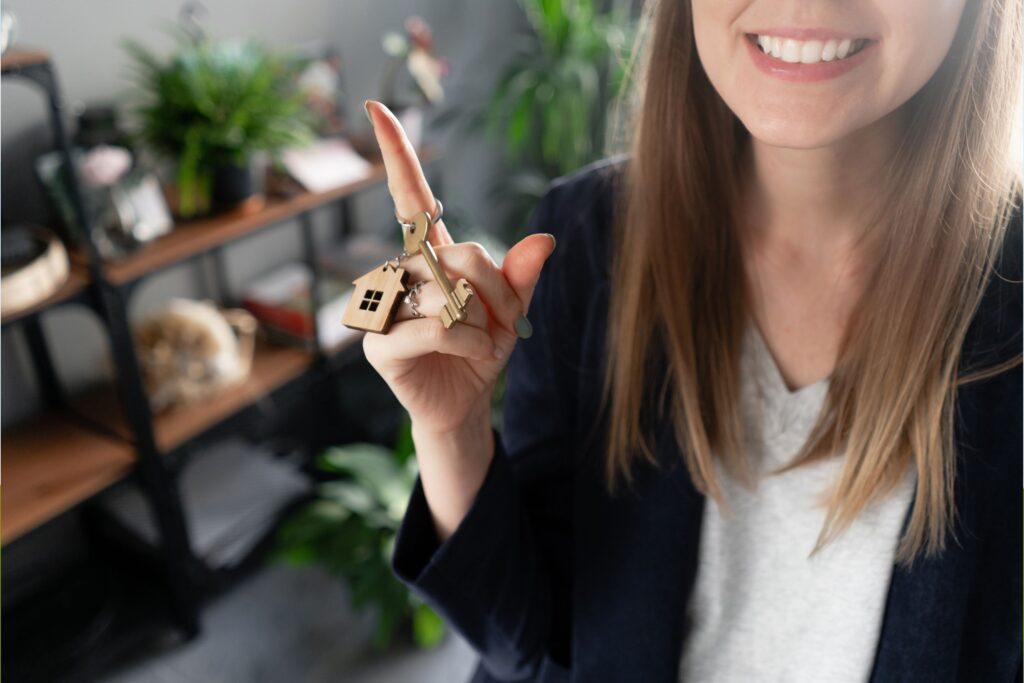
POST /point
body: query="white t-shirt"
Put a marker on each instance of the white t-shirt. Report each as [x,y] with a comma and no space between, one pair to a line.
[761,610]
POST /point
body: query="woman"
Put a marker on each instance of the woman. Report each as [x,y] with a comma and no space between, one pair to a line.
[768,426]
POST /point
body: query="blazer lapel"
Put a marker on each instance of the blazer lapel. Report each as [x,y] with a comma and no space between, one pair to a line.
[637,554]
[945,614]
[959,610]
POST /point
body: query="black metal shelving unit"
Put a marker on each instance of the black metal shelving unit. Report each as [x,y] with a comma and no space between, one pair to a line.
[114,425]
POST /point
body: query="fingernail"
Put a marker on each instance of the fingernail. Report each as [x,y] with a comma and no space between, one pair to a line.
[366,108]
[524,330]
[553,240]
[498,353]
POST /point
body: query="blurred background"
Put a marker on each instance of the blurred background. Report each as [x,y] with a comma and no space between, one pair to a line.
[202,477]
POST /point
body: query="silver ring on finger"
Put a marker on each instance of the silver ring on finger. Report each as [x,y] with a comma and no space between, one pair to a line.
[438,212]
[412,300]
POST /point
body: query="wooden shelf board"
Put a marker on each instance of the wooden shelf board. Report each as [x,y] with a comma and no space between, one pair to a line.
[272,367]
[195,237]
[18,58]
[78,278]
[50,464]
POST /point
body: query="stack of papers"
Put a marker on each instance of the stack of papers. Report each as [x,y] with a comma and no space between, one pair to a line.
[325,164]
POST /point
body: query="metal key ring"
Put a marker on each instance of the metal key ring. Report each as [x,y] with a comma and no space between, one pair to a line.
[434,219]
[412,299]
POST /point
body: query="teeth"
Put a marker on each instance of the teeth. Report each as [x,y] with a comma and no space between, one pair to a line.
[809,51]
[790,51]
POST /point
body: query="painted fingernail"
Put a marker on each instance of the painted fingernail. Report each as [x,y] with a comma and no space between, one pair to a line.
[366,108]
[524,330]
[553,240]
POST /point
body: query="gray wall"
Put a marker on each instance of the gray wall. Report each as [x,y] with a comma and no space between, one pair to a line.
[85,41]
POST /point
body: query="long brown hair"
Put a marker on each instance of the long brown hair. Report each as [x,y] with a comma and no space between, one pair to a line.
[680,282]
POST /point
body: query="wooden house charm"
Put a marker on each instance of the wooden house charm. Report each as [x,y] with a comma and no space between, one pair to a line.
[375,299]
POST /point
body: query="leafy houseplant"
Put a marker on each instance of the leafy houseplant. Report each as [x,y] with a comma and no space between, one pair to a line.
[350,530]
[551,107]
[210,107]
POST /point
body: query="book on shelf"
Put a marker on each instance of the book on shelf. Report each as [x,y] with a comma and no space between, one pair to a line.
[282,301]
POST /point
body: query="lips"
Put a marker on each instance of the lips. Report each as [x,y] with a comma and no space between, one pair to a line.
[803,55]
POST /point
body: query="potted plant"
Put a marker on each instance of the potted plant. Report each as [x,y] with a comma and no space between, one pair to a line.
[552,105]
[211,107]
[552,102]
[350,530]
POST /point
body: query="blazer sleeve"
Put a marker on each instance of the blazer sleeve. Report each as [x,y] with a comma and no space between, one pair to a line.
[502,578]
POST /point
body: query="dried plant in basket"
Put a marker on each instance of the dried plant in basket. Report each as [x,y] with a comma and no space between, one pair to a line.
[191,350]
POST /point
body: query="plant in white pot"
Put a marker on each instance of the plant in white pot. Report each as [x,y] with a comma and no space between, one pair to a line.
[211,107]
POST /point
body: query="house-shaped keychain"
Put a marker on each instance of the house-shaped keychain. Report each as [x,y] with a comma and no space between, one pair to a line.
[375,299]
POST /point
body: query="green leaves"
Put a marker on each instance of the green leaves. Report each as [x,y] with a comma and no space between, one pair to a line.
[213,103]
[427,626]
[550,102]
[350,530]
[380,487]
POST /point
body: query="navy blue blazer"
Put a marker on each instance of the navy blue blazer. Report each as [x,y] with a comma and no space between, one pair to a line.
[551,579]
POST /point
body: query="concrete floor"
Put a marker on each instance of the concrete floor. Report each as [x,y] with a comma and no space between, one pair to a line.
[286,625]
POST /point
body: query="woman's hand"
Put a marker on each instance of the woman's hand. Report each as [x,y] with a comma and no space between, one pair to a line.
[444,377]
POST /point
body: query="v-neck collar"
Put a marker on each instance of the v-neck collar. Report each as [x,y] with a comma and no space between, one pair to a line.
[770,370]
[767,399]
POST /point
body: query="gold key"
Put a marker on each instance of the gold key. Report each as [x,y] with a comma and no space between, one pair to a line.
[457,297]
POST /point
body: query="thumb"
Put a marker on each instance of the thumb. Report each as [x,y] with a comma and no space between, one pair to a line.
[523,263]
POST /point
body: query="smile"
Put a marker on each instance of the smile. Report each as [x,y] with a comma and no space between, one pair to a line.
[807,55]
[807,51]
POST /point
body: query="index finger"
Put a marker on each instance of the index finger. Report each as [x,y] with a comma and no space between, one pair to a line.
[406,182]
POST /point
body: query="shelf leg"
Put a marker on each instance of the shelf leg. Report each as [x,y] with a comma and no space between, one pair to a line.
[159,483]
[49,385]
[345,211]
[215,263]
[46,77]
[309,247]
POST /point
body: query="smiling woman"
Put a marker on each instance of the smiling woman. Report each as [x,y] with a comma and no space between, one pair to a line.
[768,426]
[840,189]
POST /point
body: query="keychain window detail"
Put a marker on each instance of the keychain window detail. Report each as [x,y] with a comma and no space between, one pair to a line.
[381,287]
[371,299]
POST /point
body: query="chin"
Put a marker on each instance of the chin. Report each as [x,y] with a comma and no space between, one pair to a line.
[797,132]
